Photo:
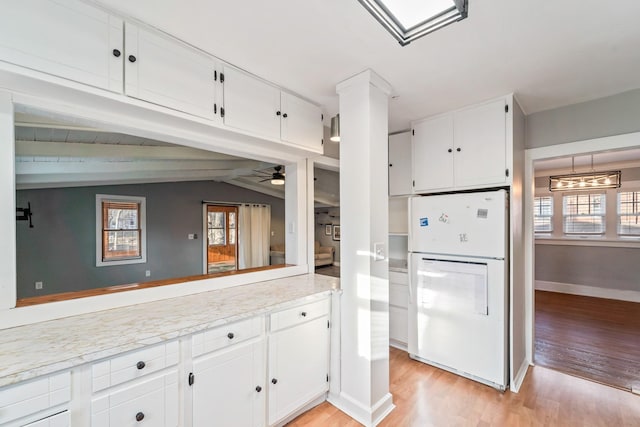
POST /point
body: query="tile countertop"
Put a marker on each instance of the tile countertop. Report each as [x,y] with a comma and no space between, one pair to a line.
[399,265]
[32,350]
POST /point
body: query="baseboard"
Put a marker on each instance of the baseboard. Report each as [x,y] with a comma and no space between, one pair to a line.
[315,402]
[399,345]
[516,382]
[588,291]
[369,417]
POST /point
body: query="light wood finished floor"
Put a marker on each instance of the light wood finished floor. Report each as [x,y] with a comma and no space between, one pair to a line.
[426,396]
[594,338]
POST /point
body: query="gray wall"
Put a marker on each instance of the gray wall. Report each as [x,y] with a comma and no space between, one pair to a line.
[320,227]
[612,115]
[603,267]
[60,249]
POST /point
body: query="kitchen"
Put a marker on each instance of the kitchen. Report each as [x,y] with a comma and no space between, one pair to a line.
[61,95]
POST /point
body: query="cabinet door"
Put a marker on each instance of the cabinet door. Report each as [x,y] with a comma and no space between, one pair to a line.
[68,39]
[57,420]
[432,159]
[250,104]
[301,122]
[229,389]
[298,367]
[480,145]
[166,72]
[400,164]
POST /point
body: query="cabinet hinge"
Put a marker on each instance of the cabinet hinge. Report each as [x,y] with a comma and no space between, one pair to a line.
[191,378]
[222,112]
[321,117]
[506,108]
[215,108]
[322,141]
[506,172]
[328,324]
[413,132]
[215,75]
[414,183]
[327,377]
[221,77]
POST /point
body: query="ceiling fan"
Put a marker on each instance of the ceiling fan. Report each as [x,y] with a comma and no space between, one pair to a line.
[277,177]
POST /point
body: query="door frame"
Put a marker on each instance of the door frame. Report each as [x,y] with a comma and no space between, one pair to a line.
[616,142]
[205,232]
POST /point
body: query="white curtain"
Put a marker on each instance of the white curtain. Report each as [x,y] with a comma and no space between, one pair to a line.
[254,235]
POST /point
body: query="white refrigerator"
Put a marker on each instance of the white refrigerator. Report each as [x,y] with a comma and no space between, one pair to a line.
[458,290]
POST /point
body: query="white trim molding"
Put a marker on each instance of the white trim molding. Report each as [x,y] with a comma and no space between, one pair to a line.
[588,291]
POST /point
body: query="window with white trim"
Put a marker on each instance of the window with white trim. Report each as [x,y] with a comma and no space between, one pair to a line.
[543,214]
[120,230]
[629,213]
[584,213]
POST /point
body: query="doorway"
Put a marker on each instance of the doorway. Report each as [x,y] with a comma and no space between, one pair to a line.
[222,247]
[581,281]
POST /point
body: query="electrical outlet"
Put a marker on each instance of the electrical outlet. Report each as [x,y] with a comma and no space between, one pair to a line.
[147,273]
[379,252]
[191,236]
[39,285]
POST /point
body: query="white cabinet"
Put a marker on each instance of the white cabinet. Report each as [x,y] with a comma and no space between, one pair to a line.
[255,106]
[58,420]
[400,164]
[229,375]
[229,387]
[398,216]
[301,122]
[38,398]
[298,358]
[167,72]
[69,39]
[398,304]
[152,401]
[251,104]
[461,150]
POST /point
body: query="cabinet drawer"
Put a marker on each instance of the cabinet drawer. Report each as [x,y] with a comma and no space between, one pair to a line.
[399,278]
[227,335]
[151,402]
[303,313]
[33,396]
[134,365]
[398,295]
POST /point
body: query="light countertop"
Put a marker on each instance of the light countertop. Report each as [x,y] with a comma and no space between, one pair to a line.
[398,265]
[32,350]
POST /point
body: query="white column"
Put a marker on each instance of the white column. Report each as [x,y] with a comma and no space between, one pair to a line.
[8,205]
[364,324]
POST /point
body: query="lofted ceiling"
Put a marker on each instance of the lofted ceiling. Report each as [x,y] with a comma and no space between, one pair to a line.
[550,53]
[607,160]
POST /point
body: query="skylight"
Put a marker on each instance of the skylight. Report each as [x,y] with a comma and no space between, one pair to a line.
[408,20]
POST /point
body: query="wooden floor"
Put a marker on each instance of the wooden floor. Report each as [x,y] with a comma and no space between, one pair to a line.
[427,396]
[593,338]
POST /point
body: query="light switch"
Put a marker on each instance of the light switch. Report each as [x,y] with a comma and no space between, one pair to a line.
[379,252]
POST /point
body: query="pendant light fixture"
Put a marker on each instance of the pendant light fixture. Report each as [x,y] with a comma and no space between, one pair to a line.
[585,181]
[335,128]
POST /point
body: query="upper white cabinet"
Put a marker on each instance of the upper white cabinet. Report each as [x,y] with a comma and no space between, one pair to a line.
[251,104]
[400,164]
[167,72]
[301,122]
[462,150]
[68,39]
[257,107]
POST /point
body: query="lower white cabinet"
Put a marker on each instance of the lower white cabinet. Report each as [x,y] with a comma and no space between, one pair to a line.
[58,420]
[229,387]
[153,402]
[398,304]
[298,358]
[36,400]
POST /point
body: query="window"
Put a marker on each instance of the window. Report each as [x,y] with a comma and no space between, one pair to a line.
[584,213]
[120,230]
[629,213]
[543,214]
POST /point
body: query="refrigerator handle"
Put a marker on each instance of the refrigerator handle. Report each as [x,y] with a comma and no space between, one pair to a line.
[410,275]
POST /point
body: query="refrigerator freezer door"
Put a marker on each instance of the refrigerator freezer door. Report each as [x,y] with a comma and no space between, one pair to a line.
[465,224]
[457,316]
